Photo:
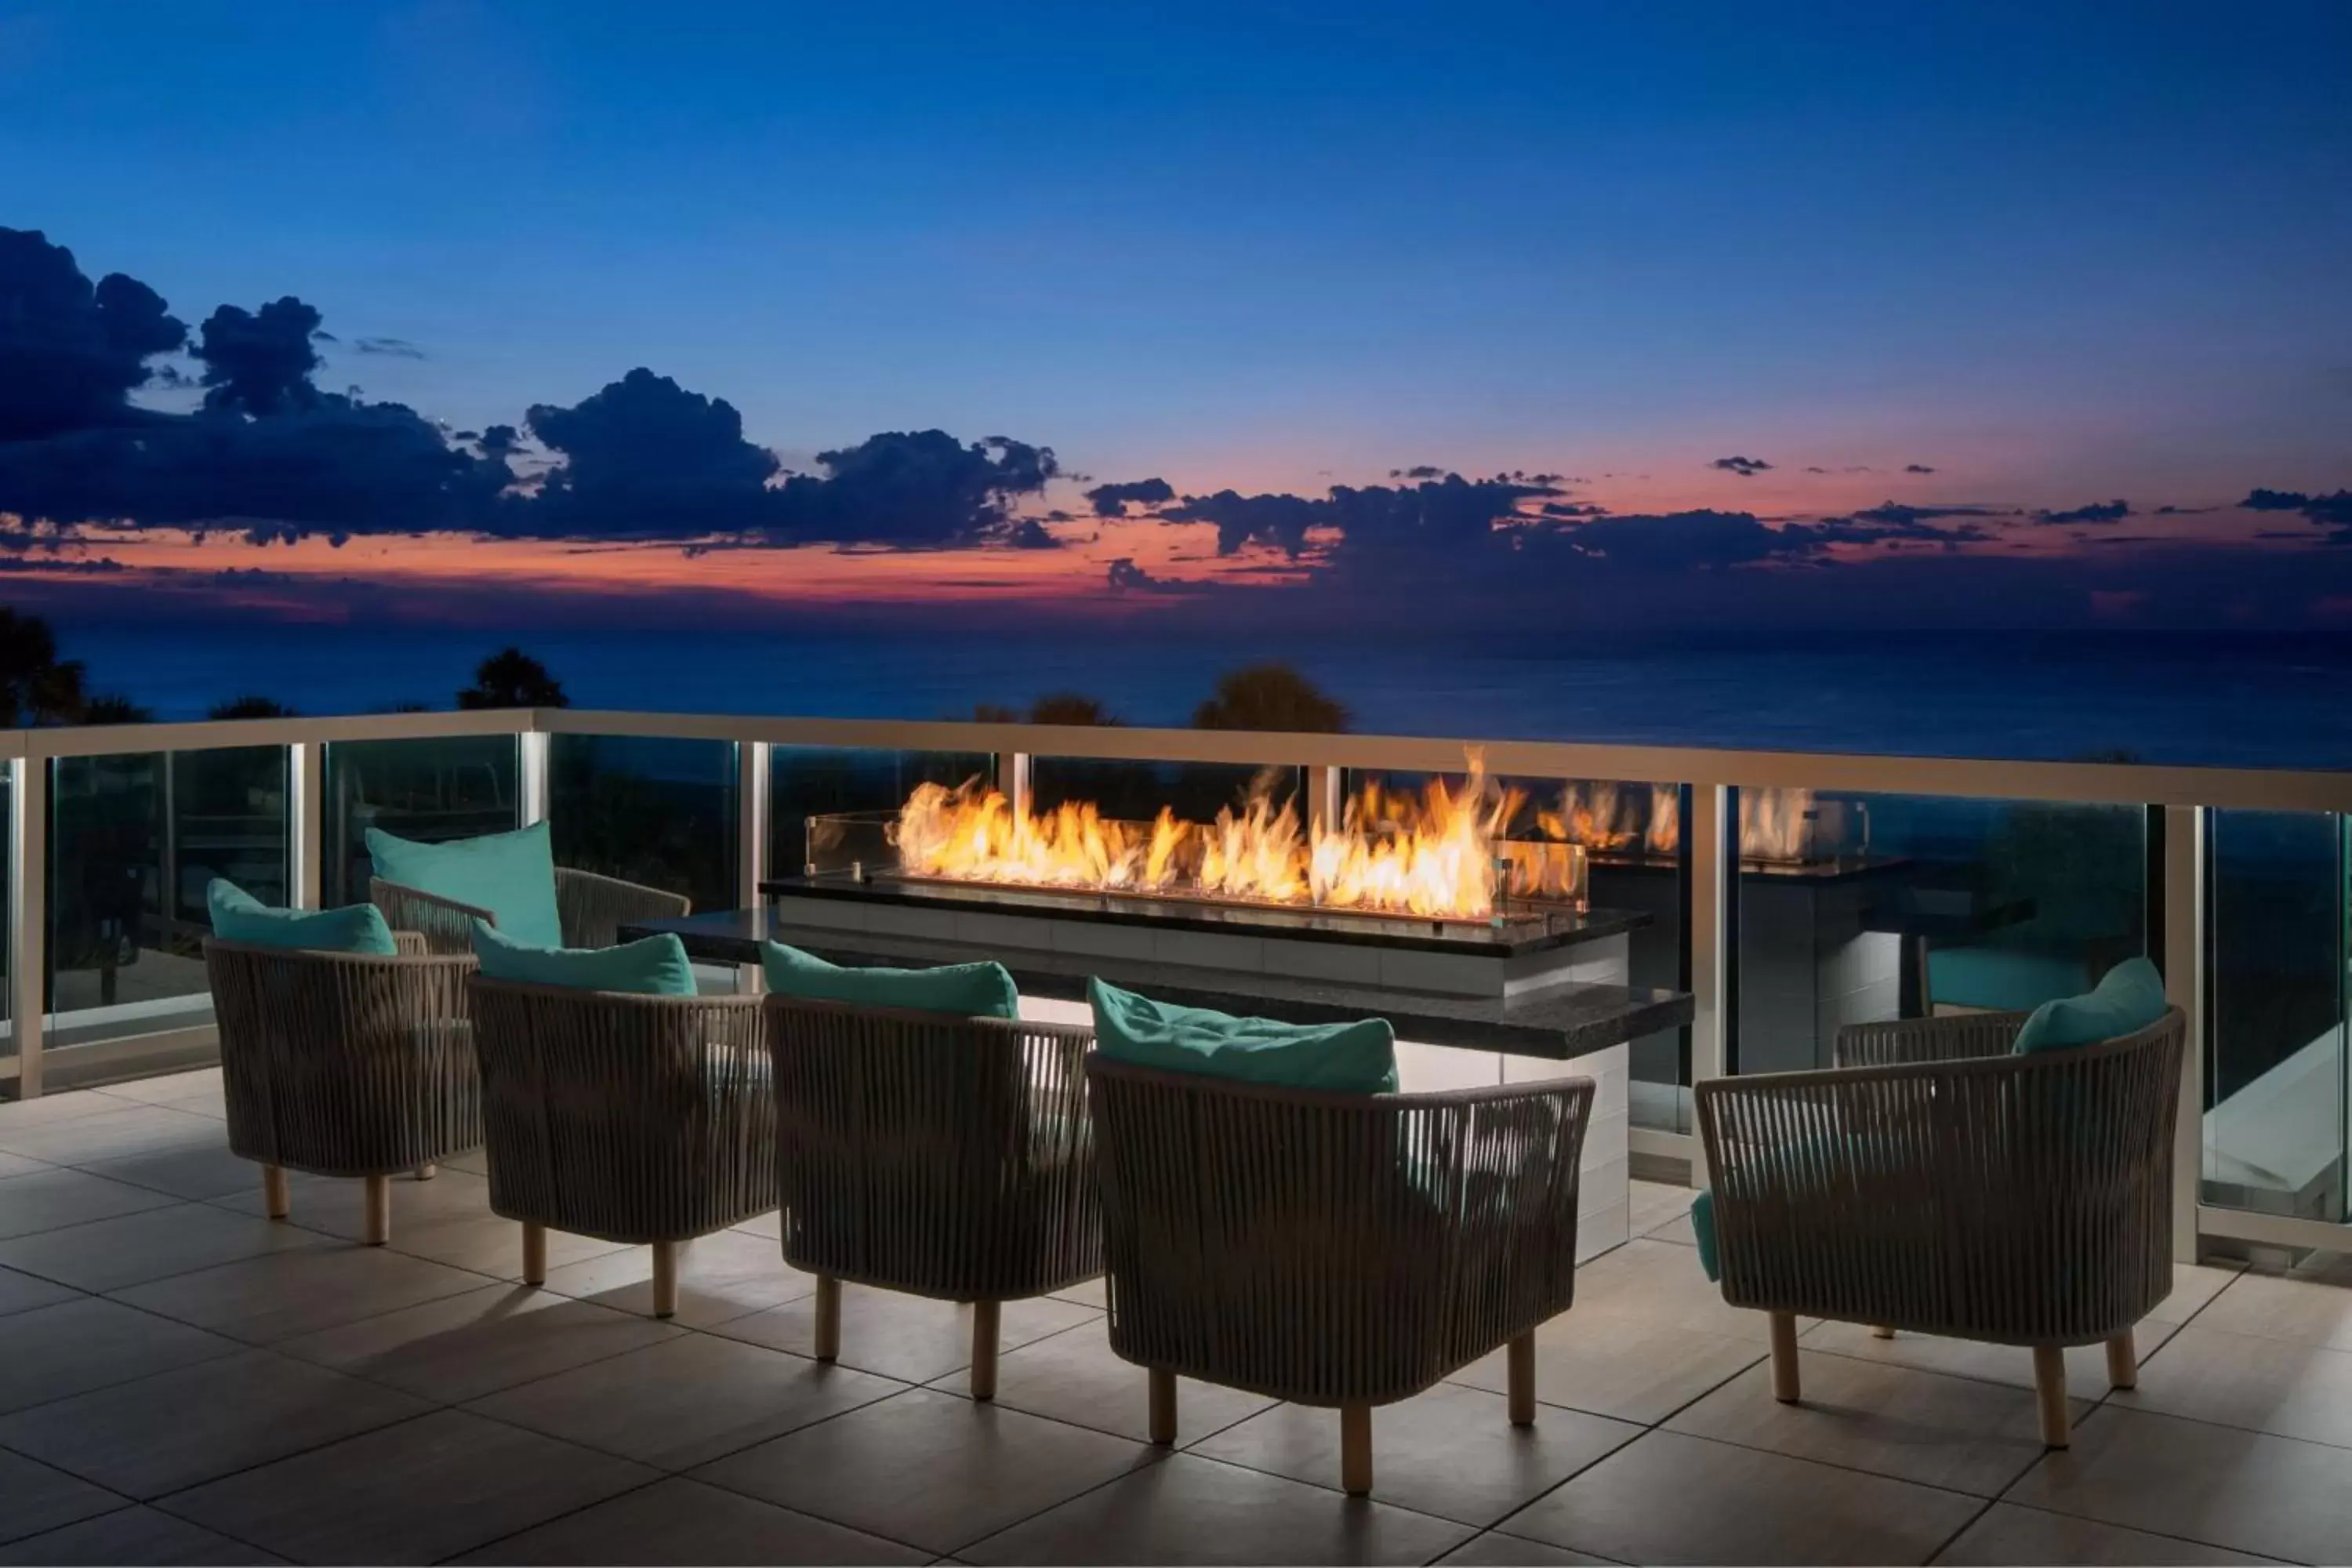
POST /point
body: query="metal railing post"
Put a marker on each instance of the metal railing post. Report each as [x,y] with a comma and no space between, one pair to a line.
[1012,778]
[28,915]
[755,762]
[532,769]
[2185,950]
[1711,892]
[305,823]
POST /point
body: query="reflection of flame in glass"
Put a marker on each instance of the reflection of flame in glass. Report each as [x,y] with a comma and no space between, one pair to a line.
[1431,852]
[1778,824]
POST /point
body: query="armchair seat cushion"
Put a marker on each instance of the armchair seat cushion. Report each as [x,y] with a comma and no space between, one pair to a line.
[2129,999]
[238,916]
[512,875]
[656,966]
[958,990]
[1353,1058]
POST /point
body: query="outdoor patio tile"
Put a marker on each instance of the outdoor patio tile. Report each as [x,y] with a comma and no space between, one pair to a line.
[1676,1230]
[770,1225]
[117,1134]
[1094,1292]
[488,1244]
[1074,1376]
[177,1428]
[154,1244]
[1620,1365]
[726,1274]
[338,1204]
[133,1536]
[55,1352]
[1451,1452]
[1961,1433]
[2243,1380]
[20,1165]
[2276,1497]
[46,1199]
[34,1497]
[23,1292]
[1653,1205]
[929,1468]
[205,1171]
[2311,1309]
[1495,1550]
[682,1521]
[168,1087]
[1660,1283]
[48,1109]
[911,1338]
[1190,1510]
[299,1291]
[686,1401]
[2087,1365]
[416,1492]
[1667,1498]
[2195,1287]
[2005,1533]
[463,1347]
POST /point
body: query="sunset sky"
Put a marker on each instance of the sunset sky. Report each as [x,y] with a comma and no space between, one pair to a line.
[1964,314]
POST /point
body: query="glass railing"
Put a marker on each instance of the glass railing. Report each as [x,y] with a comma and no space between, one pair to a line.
[810,781]
[431,789]
[649,810]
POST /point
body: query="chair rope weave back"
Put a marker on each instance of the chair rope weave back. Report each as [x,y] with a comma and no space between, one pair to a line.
[634,1119]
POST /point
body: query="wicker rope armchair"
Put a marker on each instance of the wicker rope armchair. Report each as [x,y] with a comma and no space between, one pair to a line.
[593,909]
[1944,1185]
[944,1157]
[1332,1249]
[345,1064]
[642,1120]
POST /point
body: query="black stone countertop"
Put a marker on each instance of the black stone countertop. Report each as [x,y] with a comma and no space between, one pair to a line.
[1555,1023]
[1527,926]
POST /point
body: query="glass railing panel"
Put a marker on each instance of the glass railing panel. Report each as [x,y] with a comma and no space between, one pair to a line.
[135,839]
[1135,791]
[1860,908]
[829,782]
[456,786]
[649,810]
[2275,1069]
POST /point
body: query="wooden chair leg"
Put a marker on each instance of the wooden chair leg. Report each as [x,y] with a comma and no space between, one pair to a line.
[1164,1407]
[985,1324]
[427,1171]
[276,1197]
[828,1317]
[1355,1449]
[2123,1362]
[1522,1355]
[534,1253]
[2050,1385]
[1880,1332]
[379,1210]
[1786,1386]
[665,1279]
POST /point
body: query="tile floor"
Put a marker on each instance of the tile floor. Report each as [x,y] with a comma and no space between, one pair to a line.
[184,1381]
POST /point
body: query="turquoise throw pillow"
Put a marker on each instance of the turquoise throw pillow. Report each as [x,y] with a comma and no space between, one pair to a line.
[1702,1213]
[656,966]
[238,916]
[1351,1058]
[958,990]
[2128,1000]
[512,875]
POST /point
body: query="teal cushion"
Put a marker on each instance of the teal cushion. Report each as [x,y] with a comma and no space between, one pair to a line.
[656,966]
[1702,1212]
[958,990]
[2128,1000]
[238,916]
[1351,1058]
[512,875]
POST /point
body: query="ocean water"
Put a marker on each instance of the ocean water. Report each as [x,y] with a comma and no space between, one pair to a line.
[2227,700]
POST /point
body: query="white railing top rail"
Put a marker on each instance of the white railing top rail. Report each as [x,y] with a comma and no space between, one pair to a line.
[1970,777]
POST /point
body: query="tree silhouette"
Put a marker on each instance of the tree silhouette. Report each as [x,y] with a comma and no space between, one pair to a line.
[113,708]
[1071,707]
[1269,697]
[37,686]
[251,705]
[512,679]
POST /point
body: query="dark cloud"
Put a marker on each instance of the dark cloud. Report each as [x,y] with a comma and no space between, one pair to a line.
[1815,470]
[1744,467]
[396,348]
[1680,542]
[1572,508]
[913,488]
[1448,514]
[2097,511]
[2328,511]
[1126,576]
[72,353]
[1418,471]
[1110,501]
[644,457]
[1031,535]
[1917,469]
[499,440]
[260,362]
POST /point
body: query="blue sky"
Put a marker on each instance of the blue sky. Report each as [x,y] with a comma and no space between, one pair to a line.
[2054,252]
